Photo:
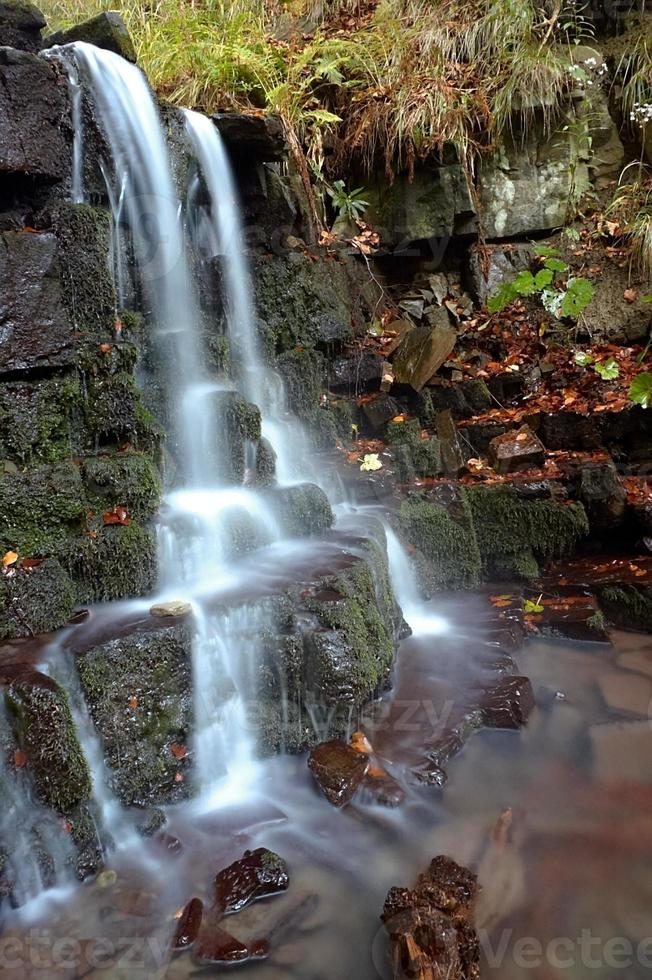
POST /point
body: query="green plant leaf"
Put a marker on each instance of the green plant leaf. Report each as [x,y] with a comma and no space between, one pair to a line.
[607,371]
[583,359]
[323,116]
[543,278]
[578,295]
[545,251]
[555,265]
[524,284]
[505,295]
[532,607]
[640,390]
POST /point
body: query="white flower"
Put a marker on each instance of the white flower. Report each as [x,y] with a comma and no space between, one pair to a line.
[371,462]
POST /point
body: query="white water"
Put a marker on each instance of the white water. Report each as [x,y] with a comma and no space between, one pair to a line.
[257,382]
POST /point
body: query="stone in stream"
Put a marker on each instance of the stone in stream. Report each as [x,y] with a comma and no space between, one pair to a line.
[431,926]
[339,770]
[216,945]
[108,30]
[258,874]
[175,607]
[381,788]
[520,450]
[21,23]
[189,924]
[508,704]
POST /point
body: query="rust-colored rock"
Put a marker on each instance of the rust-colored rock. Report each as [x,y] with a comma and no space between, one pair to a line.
[520,450]
[188,926]
[431,930]
[338,770]
[508,704]
[256,875]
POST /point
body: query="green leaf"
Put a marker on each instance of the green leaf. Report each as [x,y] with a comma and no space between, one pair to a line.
[640,390]
[556,265]
[583,359]
[505,295]
[647,298]
[607,371]
[532,607]
[545,251]
[543,278]
[578,295]
[323,116]
[524,284]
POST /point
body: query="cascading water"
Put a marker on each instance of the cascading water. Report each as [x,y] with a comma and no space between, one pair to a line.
[257,382]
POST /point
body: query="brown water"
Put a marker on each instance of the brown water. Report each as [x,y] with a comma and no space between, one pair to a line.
[566,876]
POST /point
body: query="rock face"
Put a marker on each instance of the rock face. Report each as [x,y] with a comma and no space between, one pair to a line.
[108,30]
[21,23]
[34,117]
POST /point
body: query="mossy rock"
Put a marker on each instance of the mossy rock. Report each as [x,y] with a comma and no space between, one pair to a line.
[37,420]
[115,410]
[113,562]
[443,534]
[627,606]
[40,509]
[302,509]
[84,235]
[302,371]
[127,479]
[265,466]
[45,731]
[237,422]
[330,425]
[35,600]
[514,532]
[414,456]
[139,693]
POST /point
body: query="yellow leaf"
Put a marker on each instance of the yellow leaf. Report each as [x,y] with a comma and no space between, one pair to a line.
[10,558]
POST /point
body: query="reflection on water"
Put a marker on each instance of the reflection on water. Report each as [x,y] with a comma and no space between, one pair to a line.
[556,819]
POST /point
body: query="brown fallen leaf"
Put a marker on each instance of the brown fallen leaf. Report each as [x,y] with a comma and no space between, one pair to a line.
[9,558]
[105,348]
[133,702]
[20,759]
[117,515]
[630,295]
[178,751]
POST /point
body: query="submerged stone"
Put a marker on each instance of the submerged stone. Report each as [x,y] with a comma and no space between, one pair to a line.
[339,771]
[108,30]
[508,704]
[189,925]
[258,874]
[216,945]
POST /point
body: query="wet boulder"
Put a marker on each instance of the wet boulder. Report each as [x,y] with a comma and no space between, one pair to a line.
[108,30]
[139,693]
[216,945]
[356,372]
[516,450]
[45,732]
[302,509]
[430,927]
[21,23]
[339,771]
[34,116]
[603,495]
[189,924]
[258,874]
[508,704]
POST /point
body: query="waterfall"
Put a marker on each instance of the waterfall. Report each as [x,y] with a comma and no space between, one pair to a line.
[258,383]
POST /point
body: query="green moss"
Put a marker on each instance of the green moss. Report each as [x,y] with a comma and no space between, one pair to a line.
[413,456]
[113,407]
[45,730]
[446,539]
[627,606]
[265,463]
[513,532]
[36,420]
[301,509]
[40,509]
[127,479]
[138,690]
[84,235]
[238,421]
[35,600]
[302,372]
[119,562]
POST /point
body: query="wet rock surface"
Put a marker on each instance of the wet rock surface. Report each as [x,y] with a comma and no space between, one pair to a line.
[258,874]
[21,23]
[189,925]
[508,704]
[430,927]
[108,30]
[520,450]
[338,771]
